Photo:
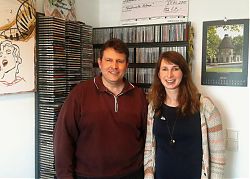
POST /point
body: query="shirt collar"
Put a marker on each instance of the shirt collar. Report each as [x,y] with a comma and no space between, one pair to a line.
[100,86]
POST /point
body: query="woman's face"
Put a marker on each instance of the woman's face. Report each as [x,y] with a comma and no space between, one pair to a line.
[170,75]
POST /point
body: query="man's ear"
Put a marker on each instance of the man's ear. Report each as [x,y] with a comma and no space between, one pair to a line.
[99,62]
[127,64]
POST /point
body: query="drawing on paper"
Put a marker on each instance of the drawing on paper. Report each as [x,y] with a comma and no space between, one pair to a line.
[17,44]
[9,64]
[17,20]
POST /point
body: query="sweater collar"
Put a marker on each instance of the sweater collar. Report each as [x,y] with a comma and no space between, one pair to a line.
[100,86]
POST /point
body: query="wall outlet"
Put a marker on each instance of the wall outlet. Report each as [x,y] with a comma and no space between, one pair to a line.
[232,134]
[232,145]
[232,140]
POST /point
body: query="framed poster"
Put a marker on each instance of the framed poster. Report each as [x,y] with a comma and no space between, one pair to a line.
[225,49]
[17,46]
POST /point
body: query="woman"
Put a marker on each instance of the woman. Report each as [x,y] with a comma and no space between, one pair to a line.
[184,129]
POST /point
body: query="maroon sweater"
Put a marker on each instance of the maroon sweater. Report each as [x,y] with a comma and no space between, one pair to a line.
[98,134]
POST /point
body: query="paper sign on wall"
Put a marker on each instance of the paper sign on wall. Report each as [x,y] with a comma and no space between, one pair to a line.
[137,11]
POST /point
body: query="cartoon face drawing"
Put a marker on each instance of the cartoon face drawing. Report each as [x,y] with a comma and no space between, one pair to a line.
[9,59]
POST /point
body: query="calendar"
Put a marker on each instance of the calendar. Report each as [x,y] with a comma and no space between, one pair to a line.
[225,49]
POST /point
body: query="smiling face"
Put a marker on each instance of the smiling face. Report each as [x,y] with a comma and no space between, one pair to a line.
[170,75]
[113,66]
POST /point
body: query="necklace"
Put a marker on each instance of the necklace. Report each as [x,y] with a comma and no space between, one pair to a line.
[171,132]
[170,113]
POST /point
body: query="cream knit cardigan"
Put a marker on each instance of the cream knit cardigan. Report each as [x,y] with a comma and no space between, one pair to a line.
[213,145]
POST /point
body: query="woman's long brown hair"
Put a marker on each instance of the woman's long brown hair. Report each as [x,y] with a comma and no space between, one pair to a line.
[188,96]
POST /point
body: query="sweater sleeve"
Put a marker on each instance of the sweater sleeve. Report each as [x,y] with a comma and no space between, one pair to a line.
[144,114]
[149,154]
[65,136]
[216,141]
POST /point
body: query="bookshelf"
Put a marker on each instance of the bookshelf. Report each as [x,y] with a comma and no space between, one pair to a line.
[145,43]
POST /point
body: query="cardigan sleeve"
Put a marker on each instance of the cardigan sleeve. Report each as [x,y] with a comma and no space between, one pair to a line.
[149,154]
[215,139]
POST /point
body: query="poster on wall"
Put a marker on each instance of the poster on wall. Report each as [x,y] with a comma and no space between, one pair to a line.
[17,44]
[225,49]
[64,9]
[135,12]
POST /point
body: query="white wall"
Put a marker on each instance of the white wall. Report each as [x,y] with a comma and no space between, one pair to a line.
[17,129]
[17,136]
[88,12]
[233,102]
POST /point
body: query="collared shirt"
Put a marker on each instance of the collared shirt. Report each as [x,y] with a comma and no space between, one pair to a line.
[98,134]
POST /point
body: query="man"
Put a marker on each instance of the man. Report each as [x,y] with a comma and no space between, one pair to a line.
[100,131]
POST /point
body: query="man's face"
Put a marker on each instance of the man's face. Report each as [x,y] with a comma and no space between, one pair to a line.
[113,66]
[7,60]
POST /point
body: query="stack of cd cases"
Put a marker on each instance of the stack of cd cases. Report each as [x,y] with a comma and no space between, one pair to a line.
[87,52]
[51,86]
[73,53]
[62,54]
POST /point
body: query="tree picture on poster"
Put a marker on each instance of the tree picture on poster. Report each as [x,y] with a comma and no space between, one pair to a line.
[17,44]
[225,52]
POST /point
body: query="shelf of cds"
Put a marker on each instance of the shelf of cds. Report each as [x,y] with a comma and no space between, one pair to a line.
[145,43]
[64,58]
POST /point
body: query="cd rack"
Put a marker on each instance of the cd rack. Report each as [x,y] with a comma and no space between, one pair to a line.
[64,58]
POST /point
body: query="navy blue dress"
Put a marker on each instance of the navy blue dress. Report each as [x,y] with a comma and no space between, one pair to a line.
[183,159]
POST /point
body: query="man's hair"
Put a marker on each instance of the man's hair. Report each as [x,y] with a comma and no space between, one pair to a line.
[118,45]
